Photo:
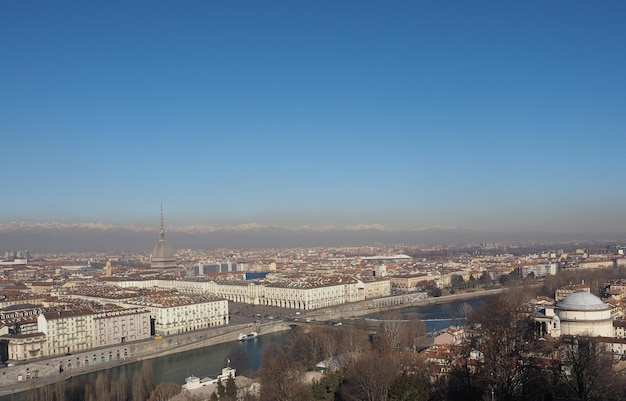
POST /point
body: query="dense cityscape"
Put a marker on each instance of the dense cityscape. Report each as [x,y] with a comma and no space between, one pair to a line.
[65,314]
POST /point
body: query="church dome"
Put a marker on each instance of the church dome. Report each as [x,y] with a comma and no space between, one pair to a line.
[582,301]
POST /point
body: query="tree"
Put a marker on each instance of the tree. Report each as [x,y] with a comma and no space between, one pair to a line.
[392,332]
[353,342]
[89,393]
[409,387]
[221,390]
[464,311]
[119,388]
[502,336]
[303,345]
[329,345]
[143,383]
[165,391]
[587,369]
[417,333]
[463,383]
[457,282]
[77,390]
[371,377]
[279,375]
[60,391]
[432,290]
[327,388]
[103,386]
[231,388]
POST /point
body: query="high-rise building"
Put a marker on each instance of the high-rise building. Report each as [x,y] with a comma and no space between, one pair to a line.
[162,255]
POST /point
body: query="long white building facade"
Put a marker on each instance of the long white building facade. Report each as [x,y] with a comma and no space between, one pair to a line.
[303,292]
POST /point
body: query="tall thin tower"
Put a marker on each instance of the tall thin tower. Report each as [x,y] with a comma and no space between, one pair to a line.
[162,255]
[162,230]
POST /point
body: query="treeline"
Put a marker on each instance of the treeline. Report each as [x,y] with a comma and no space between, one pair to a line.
[594,278]
[141,388]
[360,366]
[502,360]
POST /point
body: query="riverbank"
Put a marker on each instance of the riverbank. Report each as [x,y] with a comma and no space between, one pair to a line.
[45,371]
[357,309]
[41,372]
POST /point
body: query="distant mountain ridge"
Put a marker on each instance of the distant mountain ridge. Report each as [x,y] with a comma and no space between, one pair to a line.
[87,237]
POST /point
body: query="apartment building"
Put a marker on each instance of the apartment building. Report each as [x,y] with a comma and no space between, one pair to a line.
[22,347]
[121,325]
[411,282]
[375,287]
[67,331]
[177,313]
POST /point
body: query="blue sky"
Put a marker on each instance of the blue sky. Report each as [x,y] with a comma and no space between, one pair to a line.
[487,115]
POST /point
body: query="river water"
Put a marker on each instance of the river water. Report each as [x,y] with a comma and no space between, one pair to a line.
[202,362]
[209,361]
[440,316]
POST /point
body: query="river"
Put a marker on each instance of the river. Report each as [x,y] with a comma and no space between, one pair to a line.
[209,361]
[439,316]
[202,362]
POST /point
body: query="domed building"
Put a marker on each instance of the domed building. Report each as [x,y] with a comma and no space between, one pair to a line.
[580,313]
[162,255]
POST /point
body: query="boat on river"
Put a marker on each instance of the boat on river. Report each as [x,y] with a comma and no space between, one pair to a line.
[250,336]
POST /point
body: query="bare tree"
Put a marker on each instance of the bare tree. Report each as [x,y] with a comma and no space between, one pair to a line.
[303,344]
[89,392]
[371,377]
[279,375]
[103,387]
[119,388]
[77,391]
[353,343]
[60,391]
[465,310]
[416,332]
[165,391]
[143,383]
[588,369]
[329,344]
[392,330]
[502,336]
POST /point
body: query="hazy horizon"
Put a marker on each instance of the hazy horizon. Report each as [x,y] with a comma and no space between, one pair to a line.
[51,238]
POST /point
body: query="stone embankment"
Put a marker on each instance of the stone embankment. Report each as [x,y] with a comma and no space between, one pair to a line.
[37,373]
[367,307]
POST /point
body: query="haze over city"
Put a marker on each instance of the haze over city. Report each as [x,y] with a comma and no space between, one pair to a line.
[346,122]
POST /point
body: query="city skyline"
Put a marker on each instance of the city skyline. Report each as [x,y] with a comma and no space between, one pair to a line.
[481,117]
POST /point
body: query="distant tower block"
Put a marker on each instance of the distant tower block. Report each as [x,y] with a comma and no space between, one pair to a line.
[162,255]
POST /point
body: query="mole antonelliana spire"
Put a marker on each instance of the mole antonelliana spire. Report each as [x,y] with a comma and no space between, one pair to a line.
[162,255]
